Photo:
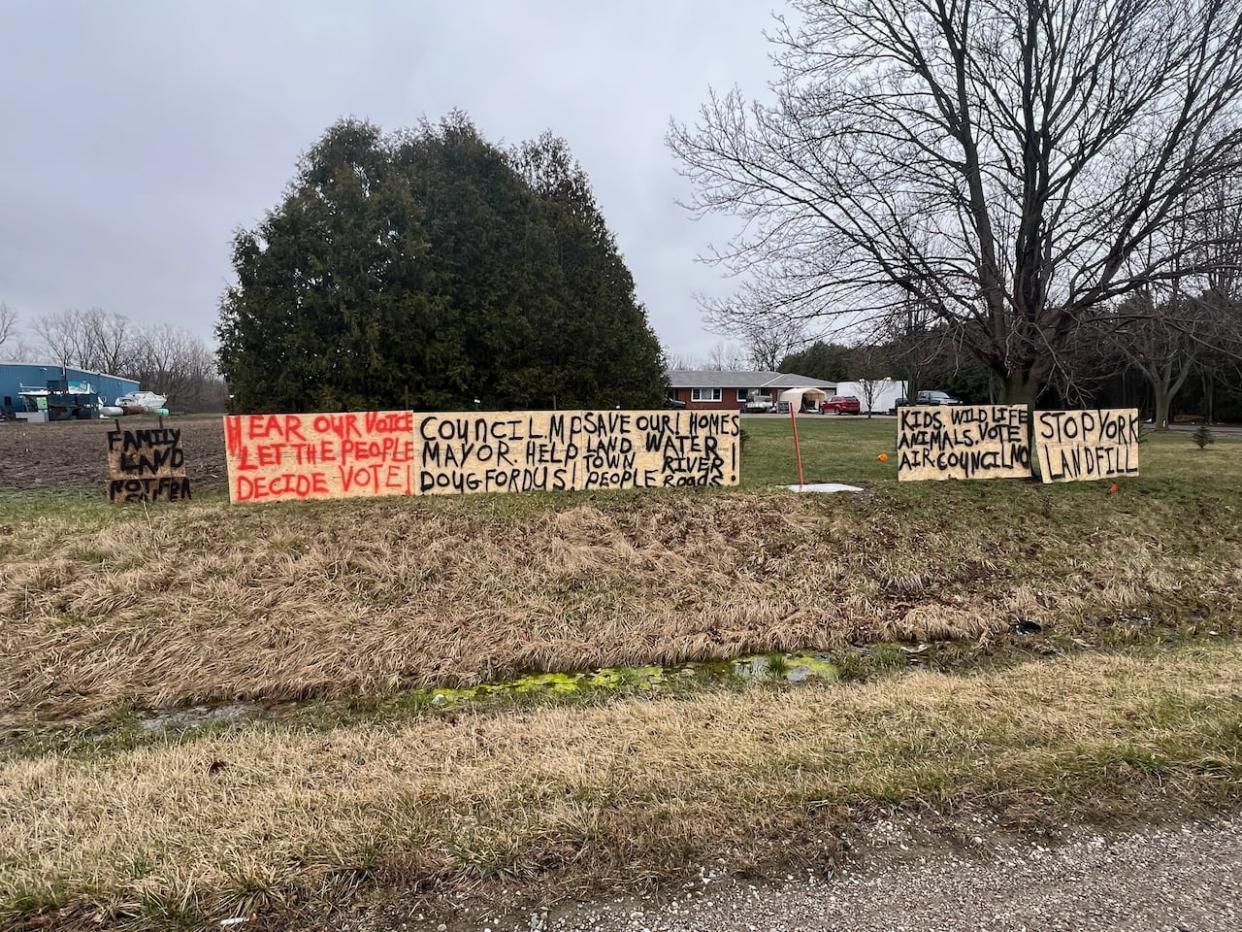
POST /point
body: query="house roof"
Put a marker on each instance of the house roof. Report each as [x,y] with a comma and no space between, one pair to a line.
[713,378]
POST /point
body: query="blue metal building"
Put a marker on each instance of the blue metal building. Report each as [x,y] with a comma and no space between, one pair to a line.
[16,376]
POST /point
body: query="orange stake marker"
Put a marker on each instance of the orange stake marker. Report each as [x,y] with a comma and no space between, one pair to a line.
[793,419]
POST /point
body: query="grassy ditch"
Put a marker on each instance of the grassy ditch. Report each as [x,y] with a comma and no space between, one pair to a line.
[354,617]
[109,608]
[268,820]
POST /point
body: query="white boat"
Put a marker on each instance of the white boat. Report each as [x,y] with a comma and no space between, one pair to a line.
[141,403]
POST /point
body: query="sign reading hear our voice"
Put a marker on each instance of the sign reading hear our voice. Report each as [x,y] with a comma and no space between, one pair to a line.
[369,453]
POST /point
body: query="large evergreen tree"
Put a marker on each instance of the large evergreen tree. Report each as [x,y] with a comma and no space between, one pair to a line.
[428,268]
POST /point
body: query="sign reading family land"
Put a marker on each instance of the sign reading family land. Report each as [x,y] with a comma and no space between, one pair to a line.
[1085,445]
[146,465]
[963,442]
[402,453]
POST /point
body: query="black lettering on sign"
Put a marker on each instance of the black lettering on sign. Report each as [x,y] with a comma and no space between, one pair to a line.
[146,465]
[558,451]
[963,442]
[149,489]
[1085,445]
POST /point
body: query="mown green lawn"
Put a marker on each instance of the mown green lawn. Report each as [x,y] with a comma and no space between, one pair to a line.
[847,449]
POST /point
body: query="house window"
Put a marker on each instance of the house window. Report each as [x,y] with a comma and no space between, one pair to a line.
[743,394]
[704,394]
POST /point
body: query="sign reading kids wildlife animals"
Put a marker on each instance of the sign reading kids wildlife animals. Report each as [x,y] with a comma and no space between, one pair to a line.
[304,456]
[963,442]
[146,465]
[1085,445]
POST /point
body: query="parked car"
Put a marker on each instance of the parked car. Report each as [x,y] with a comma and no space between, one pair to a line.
[675,403]
[927,398]
[840,404]
[757,403]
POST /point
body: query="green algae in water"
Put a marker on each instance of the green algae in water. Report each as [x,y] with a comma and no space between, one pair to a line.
[803,667]
[791,668]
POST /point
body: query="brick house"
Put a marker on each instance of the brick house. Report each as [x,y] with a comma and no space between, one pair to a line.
[711,390]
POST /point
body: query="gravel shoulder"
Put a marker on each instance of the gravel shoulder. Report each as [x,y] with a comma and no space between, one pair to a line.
[1186,878]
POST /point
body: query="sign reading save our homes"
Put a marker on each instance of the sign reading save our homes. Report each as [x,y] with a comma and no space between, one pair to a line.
[370,453]
[146,465]
[963,442]
[1085,445]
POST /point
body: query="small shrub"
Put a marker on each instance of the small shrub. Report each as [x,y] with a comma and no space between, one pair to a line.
[1203,436]
[850,665]
[777,666]
[888,657]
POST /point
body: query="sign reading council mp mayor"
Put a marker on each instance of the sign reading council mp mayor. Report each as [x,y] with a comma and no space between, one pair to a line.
[963,442]
[301,456]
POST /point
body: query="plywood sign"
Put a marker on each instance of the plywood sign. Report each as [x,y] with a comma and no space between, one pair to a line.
[281,456]
[403,453]
[963,442]
[1085,445]
[146,465]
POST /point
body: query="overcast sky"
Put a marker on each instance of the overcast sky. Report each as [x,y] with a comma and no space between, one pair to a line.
[134,137]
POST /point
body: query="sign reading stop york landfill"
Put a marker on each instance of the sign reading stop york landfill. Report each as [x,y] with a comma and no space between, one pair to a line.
[146,466]
[1085,445]
[304,456]
[963,442]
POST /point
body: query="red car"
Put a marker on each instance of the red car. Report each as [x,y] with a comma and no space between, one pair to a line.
[840,404]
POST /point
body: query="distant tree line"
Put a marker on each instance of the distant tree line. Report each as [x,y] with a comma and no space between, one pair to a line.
[430,269]
[1163,361]
[160,357]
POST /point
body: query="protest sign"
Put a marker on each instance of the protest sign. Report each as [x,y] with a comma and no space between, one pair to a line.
[963,442]
[281,456]
[402,453]
[1085,445]
[146,465]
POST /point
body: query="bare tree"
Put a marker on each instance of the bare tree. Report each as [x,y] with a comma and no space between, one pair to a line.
[109,343]
[872,362]
[8,324]
[681,361]
[177,364]
[1001,163]
[770,341]
[63,337]
[91,339]
[725,357]
[162,358]
[1166,329]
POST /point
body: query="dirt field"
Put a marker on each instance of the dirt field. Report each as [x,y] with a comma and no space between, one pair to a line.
[73,455]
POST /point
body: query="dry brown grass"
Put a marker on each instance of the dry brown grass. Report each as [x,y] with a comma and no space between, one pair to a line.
[603,796]
[210,602]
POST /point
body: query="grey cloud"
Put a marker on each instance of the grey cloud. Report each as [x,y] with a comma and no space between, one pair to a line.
[134,137]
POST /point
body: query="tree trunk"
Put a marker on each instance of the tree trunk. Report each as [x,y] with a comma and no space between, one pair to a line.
[1163,397]
[1019,391]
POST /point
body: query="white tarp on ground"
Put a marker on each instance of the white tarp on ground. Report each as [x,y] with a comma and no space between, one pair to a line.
[884,394]
[824,487]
